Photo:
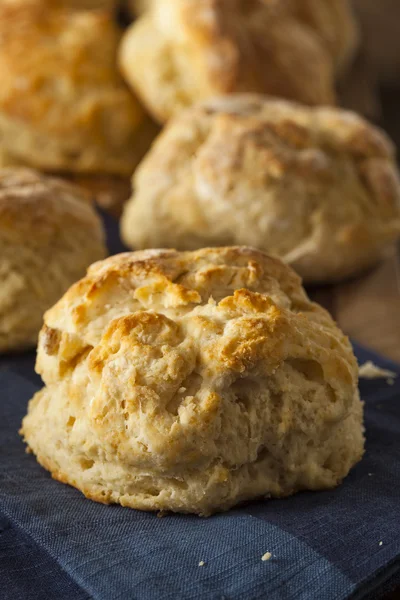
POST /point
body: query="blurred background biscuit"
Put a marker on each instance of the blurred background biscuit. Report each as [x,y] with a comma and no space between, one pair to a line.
[180,51]
[63,105]
[317,186]
[49,234]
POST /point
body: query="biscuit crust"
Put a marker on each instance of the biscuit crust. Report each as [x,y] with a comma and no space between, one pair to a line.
[318,187]
[182,51]
[63,104]
[49,234]
[193,381]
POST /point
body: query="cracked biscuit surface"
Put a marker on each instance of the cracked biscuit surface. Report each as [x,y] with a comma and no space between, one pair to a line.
[63,103]
[49,235]
[318,187]
[193,381]
[182,51]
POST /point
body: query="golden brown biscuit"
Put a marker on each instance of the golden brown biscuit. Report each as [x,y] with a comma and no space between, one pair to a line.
[193,381]
[332,20]
[317,186]
[182,51]
[63,105]
[49,234]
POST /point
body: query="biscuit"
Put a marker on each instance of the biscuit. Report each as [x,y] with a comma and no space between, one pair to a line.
[63,104]
[193,381]
[182,51]
[316,186]
[49,234]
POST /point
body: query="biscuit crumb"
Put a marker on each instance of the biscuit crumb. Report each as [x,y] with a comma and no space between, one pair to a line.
[380,543]
[181,390]
[371,371]
[161,514]
[266,556]
[201,563]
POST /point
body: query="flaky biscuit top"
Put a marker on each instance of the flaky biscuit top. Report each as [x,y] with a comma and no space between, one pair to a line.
[166,333]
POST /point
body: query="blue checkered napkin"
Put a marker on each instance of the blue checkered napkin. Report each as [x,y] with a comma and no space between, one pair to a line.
[56,545]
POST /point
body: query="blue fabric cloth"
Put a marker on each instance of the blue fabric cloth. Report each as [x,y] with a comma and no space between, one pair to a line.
[56,545]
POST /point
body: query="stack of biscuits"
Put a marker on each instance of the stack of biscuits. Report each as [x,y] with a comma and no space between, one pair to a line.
[193,372]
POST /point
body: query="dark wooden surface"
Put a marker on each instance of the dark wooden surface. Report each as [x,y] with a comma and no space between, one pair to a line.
[368,308]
